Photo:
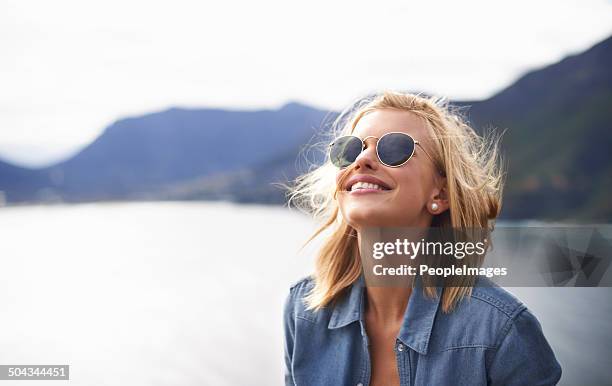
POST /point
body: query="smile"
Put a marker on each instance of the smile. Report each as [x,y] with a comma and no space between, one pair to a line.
[364,183]
[359,188]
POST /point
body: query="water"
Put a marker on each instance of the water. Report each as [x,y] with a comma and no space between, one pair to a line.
[191,293]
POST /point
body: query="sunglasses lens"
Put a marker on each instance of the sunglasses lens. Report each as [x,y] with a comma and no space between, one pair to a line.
[344,151]
[395,148]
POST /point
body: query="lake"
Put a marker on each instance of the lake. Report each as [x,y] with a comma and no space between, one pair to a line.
[191,293]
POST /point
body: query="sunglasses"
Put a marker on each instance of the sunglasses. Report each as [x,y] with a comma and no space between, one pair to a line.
[393,149]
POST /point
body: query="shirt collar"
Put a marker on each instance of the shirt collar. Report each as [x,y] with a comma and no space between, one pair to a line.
[418,318]
[349,308]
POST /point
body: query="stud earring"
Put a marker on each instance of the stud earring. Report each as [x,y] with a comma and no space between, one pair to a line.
[434,206]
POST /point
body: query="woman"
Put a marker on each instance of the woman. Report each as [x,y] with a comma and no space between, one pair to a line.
[414,163]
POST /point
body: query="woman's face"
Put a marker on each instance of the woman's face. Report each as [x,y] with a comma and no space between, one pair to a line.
[412,187]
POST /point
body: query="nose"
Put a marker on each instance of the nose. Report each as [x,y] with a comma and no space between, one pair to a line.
[367,158]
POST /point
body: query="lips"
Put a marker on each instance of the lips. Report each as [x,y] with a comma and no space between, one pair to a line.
[365,181]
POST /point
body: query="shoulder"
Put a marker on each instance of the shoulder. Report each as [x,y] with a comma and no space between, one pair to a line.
[298,310]
[295,304]
[516,317]
[520,353]
[479,320]
[307,282]
[493,298]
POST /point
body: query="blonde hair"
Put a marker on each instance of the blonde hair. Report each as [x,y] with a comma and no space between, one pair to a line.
[474,181]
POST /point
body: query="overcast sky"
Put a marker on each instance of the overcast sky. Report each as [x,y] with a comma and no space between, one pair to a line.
[71,68]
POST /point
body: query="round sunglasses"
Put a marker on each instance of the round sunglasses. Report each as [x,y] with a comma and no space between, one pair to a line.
[392,149]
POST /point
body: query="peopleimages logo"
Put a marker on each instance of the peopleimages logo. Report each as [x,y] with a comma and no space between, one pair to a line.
[464,270]
[413,249]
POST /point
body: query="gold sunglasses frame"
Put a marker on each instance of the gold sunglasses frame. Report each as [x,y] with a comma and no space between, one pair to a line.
[378,155]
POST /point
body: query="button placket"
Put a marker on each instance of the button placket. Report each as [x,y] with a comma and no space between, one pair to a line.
[366,358]
[402,355]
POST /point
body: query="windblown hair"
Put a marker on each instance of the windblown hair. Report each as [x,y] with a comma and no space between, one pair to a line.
[474,181]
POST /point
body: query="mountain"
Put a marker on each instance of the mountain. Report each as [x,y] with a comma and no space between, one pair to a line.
[559,138]
[558,123]
[19,184]
[143,156]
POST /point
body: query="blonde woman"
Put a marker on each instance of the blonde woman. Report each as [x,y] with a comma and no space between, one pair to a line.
[402,160]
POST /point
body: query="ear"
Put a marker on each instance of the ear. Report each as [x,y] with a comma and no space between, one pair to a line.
[438,202]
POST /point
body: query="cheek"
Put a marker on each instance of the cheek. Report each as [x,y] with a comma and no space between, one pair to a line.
[406,202]
[410,190]
[339,175]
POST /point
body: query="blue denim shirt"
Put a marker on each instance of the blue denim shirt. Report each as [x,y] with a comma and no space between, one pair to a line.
[490,338]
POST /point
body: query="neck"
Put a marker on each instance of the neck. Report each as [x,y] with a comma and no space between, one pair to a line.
[387,304]
[384,303]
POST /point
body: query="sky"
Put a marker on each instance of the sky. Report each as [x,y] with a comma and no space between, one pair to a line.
[71,68]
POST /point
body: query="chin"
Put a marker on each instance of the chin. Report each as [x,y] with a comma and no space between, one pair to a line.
[362,218]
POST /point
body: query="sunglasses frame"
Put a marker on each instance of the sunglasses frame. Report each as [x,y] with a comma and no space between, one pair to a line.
[377,141]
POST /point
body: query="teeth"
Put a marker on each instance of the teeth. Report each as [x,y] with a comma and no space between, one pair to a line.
[365,185]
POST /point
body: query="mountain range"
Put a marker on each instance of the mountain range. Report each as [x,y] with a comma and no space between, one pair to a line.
[557,146]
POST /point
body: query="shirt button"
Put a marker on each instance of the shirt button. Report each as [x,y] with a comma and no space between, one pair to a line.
[400,347]
[360,384]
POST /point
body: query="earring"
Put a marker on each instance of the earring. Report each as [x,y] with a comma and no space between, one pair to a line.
[434,206]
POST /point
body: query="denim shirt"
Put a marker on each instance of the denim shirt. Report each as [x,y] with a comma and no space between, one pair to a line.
[490,338]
